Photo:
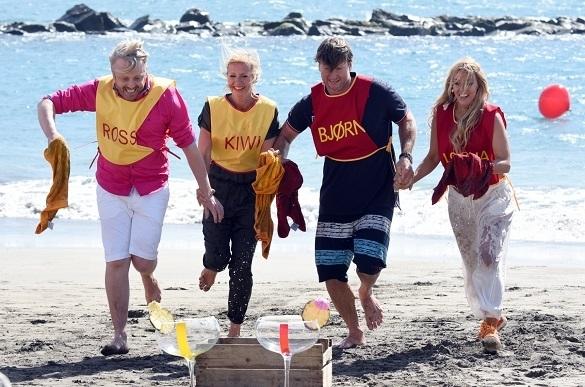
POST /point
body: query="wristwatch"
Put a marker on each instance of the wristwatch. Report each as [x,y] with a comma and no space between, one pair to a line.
[407,155]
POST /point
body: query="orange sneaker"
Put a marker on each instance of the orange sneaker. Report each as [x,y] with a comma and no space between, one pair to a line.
[502,322]
[488,335]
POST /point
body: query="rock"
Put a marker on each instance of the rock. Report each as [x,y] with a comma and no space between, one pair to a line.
[487,25]
[187,26]
[138,24]
[294,15]
[509,24]
[195,15]
[158,26]
[473,31]
[319,30]
[297,19]
[87,20]
[286,29]
[20,28]
[398,28]
[144,24]
[195,21]
[76,14]
[61,26]
[193,27]
[328,28]
[379,15]
[13,31]
[32,28]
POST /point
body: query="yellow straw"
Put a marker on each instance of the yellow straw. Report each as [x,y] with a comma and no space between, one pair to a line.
[182,343]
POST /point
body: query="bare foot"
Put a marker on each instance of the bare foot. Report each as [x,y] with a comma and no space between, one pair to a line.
[372,310]
[350,342]
[234,330]
[118,346]
[151,290]
[206,279]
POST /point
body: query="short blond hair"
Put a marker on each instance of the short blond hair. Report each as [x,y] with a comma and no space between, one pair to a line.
[242,55]
[131,50]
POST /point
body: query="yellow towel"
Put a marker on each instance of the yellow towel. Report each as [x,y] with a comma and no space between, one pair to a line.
[57,154]
[268,176]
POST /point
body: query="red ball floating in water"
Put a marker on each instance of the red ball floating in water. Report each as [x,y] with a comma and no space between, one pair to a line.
[554,101]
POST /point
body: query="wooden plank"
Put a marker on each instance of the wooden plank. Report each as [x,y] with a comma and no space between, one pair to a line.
[223,377]
[247,353]
[326,343]
[221,350]
[252,340]
[247,356]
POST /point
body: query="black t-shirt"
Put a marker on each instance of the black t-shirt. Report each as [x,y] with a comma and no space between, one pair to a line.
[363,186]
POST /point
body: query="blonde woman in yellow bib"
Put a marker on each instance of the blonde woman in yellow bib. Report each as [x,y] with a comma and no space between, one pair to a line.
[135,115]
[235,129]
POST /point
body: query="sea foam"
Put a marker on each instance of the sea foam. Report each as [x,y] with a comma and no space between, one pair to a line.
[552,215]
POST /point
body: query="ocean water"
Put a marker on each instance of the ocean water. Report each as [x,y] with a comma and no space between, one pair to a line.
[239,10]
[547,155]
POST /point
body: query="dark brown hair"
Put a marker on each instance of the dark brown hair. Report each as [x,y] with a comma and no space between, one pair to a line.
[334,50]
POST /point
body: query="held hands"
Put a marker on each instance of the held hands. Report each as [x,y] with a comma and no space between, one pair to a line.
[210,204]
[403,179]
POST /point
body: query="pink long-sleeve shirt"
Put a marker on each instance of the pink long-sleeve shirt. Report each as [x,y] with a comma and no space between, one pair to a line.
[168,118]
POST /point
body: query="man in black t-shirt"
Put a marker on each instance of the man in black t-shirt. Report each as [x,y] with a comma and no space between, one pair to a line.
[351,117]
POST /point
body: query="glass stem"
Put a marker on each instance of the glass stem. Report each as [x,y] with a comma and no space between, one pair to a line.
[287,360]
[191,365]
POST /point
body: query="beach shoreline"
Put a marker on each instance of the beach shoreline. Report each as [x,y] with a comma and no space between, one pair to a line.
[54,319]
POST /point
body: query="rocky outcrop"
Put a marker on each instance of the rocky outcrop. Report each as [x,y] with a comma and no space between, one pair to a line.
[87,20]
[145,24]
[81,18]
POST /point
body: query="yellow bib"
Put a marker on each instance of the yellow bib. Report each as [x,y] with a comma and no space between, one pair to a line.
[237,136]
[118,120]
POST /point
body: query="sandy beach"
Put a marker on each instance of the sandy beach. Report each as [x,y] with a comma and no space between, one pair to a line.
[54,319]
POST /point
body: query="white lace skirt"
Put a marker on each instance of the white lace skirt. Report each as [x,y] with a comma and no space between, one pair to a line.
[482,229]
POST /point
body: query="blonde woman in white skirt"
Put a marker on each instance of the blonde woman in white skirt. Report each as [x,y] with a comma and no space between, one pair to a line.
[468,137]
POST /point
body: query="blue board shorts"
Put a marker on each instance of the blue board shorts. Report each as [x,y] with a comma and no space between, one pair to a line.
[341,239]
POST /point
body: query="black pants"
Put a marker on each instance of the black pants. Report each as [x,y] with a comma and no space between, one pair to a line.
[232,242]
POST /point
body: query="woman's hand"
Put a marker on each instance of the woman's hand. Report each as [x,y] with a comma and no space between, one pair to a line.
[210,205]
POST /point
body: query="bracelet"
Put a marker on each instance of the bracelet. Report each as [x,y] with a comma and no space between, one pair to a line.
[407,155]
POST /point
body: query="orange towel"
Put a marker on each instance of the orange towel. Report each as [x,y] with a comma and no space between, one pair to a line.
[268,176]
[57,154]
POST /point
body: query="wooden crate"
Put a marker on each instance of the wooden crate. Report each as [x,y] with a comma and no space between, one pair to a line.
[243,362]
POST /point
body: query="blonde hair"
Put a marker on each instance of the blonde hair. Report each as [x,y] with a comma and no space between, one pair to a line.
[460,136]
[241,55]
[131,50]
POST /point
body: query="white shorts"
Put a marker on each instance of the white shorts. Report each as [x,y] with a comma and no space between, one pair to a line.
[131,225]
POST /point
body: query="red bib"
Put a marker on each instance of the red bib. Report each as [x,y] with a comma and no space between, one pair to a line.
[481,137]
[337,128]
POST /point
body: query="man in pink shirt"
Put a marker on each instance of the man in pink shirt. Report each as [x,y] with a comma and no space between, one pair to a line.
[135,114]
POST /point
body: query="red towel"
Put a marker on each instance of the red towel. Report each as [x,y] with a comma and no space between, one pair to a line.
[468,173]
[287,200]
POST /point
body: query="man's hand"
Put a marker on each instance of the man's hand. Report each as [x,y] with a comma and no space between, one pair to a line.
[404,174]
